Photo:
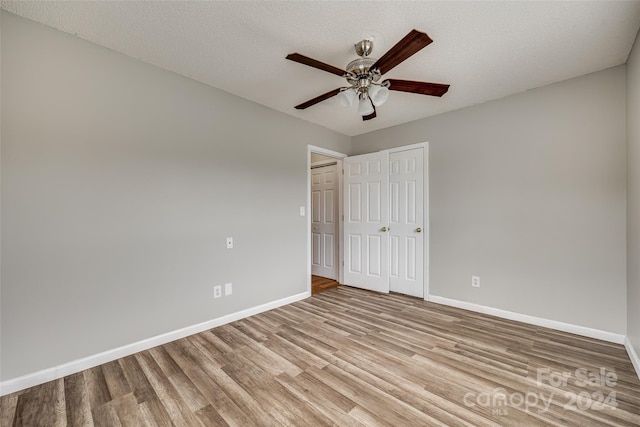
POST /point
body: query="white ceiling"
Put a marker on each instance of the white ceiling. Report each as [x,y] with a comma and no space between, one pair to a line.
[484,50]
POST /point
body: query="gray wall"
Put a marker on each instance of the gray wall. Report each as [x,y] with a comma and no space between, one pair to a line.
[633,200]
[120,182]
[528,192]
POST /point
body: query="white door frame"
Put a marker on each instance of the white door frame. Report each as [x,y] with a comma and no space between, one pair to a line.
[338,156]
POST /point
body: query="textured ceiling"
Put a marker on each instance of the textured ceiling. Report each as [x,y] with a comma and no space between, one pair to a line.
[485,50]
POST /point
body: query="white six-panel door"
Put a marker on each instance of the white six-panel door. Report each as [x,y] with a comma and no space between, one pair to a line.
[324,204]
[384,228]
[366,220]
[406,228]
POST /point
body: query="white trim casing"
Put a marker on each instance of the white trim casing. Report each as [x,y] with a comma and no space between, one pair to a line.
[532,320]
[50,374]
[635,360]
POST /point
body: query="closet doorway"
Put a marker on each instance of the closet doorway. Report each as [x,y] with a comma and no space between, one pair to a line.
[385,221]
[381,234]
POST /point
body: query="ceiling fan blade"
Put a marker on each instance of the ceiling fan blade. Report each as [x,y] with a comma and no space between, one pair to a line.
[317,99]
[370,116]
[296,57]
[409,45]
[422,88]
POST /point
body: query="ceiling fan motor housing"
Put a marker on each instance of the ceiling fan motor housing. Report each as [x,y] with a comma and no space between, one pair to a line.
[360,73]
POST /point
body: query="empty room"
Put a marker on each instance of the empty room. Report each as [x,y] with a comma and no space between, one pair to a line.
[310,213]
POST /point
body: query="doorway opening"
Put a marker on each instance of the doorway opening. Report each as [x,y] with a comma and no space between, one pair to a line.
[324,223]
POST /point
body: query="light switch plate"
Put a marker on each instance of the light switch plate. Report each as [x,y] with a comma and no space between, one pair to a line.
[302,211]
[229,242]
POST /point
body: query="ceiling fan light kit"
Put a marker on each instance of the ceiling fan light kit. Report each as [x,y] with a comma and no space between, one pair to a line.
[364,106]
[346,97]
[379,93]
[362,75]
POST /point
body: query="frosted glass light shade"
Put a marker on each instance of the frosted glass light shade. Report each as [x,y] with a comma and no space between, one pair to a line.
[364,107]
[346,97]
[378,94]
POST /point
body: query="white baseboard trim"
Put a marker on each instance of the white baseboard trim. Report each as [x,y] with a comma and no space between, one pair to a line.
[524,318]
[50,374]
[635,360]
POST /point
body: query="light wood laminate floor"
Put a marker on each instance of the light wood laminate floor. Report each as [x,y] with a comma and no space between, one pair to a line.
[348,357]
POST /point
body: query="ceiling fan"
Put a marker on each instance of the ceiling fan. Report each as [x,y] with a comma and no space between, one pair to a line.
[363,75]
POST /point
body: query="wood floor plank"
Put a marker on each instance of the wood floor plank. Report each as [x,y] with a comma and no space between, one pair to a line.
[128,410]
[137,380]
[381,374]
[96,385]
[333,406]
[228,410]
[321,284]
[42,406]
[251,407]
[210,417]
[283,405]
[117,384]
[178,410]
[106,415]
[8,404]
[250,329]
[231,336]
[295,354]
[210,354]
[268,360]
[433,395]
[77,402]
[370,398]
[153,413]
[348,357]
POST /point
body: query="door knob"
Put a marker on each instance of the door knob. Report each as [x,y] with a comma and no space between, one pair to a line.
[418,230]
[383,229]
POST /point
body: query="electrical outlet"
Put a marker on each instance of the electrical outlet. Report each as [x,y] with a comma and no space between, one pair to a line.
[475,281]
[217,291]
[229,242]
[228,289]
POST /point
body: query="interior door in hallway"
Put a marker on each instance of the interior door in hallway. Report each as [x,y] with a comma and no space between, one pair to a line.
[324,205]
[366,221]
[406,216]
